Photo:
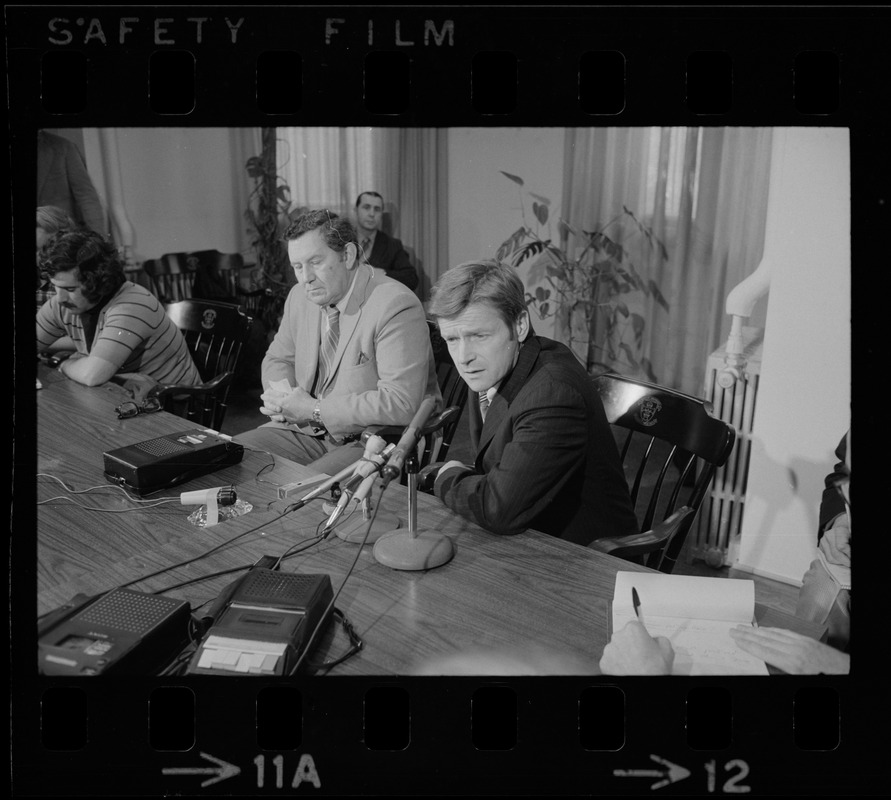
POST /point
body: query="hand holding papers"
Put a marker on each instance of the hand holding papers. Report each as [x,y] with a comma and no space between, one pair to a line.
[791,652]
[695,615]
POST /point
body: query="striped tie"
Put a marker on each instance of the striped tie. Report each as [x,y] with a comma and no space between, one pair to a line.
[329,347]
[484,404]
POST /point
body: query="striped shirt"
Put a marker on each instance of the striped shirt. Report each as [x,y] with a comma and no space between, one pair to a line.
[132,331]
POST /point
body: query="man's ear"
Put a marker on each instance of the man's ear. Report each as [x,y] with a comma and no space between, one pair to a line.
[351,255]
[522,326]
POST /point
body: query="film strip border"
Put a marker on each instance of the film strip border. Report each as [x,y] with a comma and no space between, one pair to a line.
[476,736]
[438,66]
[445,66]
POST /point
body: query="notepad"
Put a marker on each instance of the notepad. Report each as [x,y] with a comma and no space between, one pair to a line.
[696,615]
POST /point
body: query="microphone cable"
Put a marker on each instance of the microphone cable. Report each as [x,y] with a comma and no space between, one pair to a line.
[330,606]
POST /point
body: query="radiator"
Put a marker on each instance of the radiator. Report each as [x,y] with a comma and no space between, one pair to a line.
[719,522]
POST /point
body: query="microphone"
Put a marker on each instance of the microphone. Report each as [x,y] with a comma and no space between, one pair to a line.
[364,470]
[224,495]
[340,476]
[408,441]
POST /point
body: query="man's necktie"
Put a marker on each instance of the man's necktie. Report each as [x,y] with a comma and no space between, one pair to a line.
[484,404]
[365,242]
[329,347]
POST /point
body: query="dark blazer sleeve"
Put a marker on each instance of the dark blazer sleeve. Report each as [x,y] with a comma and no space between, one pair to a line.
[389,255]
[832,503]
[533,467]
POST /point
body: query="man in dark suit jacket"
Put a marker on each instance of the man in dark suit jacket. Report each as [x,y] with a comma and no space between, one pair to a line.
[382,251]
[545,457]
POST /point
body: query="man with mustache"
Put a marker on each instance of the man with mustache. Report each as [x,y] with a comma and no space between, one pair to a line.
[106,323]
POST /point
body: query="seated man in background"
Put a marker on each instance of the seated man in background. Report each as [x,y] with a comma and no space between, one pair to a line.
[545,456]
[352,351]
[107,324]
[382,251]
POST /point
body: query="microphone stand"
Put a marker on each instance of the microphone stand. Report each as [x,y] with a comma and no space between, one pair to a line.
[411,548]
[353,528]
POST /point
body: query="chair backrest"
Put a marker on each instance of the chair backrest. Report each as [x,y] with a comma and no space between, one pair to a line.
[205,274]
[215,334]
[172,276]
[670,446]
[454,393]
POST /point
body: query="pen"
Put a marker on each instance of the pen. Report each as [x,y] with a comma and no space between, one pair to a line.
[635,601]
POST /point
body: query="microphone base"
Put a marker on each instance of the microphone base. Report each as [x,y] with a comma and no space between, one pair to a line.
[419,550]
[353,529]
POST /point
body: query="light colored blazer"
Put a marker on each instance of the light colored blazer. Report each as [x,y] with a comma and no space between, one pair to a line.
[384,364]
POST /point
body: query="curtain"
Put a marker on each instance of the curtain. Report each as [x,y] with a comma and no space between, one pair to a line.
[411,167]
[703,192]
[172,189]
[329,167]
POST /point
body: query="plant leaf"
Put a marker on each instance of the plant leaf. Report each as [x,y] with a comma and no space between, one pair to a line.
[657,295]
[531,249]
[648,369]
[622,309]
[541,212]
[540,198]
[514,178]
[556,272]
[629,354]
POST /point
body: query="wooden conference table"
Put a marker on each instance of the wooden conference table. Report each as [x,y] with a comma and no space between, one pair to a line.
[499,591]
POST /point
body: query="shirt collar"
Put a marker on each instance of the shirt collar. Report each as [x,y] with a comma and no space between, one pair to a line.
[341,305]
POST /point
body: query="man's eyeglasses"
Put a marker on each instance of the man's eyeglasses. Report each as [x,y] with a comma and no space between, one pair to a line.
[132,409]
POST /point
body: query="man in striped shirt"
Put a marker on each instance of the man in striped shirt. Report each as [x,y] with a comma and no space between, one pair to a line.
[108,324]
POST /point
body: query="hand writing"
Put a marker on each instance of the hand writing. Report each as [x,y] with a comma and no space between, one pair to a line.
[632,651]
[791,652]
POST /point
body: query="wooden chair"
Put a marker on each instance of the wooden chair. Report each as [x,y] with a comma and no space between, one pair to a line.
[665,435]
[203,274]
[215,333]
[172,276]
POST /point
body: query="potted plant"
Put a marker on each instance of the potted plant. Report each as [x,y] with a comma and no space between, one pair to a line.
[586,290]
[267,215]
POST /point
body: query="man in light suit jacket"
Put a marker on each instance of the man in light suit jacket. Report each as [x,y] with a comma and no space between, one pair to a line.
[352,351]
[380,250]
[545,457]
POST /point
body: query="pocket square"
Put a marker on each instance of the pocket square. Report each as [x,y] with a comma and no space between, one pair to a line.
[362,359]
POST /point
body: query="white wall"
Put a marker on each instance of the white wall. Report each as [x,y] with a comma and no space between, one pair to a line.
[484,206]
[803,406]
[184,189]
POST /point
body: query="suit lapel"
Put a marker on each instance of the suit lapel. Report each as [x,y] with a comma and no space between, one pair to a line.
[508,391]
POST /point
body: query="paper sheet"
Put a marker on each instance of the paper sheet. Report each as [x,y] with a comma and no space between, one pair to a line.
[696,615]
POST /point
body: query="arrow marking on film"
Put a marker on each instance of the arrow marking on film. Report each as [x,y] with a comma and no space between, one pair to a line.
[222,771]
[673,774]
